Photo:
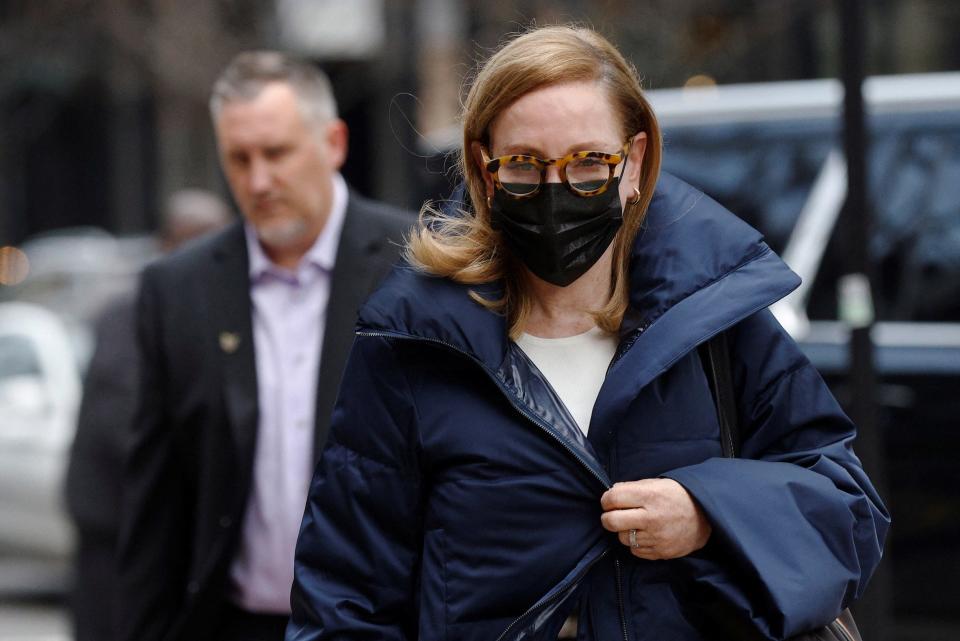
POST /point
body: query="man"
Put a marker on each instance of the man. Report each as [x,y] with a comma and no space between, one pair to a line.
[94,476]
[243,338]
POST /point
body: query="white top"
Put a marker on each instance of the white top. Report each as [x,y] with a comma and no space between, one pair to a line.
[289,312]
[575,367]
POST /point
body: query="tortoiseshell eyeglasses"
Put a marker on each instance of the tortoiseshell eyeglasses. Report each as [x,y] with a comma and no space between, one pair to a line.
[585,173]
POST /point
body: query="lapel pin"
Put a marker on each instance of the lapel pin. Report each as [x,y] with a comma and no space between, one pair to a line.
[229,342]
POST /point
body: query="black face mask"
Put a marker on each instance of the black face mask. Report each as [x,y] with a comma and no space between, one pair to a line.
[557,234]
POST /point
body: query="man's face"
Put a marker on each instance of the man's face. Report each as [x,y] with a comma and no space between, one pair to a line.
[280,165]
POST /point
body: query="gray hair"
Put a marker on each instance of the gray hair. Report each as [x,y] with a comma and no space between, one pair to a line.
[249,72]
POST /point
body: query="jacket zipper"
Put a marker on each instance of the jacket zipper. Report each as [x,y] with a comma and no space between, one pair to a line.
[623,614]
[541,604]
[621,352]
[518,406]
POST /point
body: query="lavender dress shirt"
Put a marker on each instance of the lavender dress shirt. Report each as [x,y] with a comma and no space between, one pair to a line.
[289,311]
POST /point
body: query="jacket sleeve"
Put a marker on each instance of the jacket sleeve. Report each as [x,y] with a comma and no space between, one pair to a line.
[357,555]
[798,528]
[92,484]
[152,545]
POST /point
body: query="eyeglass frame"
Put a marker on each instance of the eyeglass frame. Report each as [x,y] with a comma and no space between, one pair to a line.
[492,167]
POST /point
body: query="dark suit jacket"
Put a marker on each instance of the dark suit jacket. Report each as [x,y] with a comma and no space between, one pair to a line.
[188,471]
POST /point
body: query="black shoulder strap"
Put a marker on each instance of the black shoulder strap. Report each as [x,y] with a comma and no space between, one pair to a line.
[715,356]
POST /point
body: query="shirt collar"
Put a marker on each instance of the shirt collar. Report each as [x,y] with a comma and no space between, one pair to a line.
[323,252]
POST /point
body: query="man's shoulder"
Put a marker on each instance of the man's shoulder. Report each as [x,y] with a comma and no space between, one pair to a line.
[199,255]
[387,219]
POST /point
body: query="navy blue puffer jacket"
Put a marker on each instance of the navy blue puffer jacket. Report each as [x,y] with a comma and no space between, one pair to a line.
[457,498]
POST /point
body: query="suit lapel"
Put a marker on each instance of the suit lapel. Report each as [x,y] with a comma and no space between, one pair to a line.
[232,333]
[359,256]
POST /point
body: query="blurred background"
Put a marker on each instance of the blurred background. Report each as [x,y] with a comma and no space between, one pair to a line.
[103,114]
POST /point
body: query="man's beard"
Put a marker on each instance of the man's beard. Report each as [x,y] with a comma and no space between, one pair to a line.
[282,234]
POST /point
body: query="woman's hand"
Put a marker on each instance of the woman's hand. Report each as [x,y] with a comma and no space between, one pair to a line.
[669,524]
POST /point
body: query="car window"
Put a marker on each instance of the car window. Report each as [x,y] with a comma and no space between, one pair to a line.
[764,172]
[18,357]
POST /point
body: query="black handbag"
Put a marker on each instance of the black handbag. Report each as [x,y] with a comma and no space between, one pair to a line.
[715,356]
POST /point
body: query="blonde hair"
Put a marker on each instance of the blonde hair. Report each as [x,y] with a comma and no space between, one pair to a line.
[463,246]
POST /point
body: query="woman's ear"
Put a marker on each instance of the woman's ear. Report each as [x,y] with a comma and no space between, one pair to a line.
[476,150]
[634,167]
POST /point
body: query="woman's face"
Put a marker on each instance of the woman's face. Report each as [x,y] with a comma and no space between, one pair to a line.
[556,120]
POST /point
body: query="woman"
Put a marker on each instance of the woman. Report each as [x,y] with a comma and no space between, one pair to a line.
[525,427]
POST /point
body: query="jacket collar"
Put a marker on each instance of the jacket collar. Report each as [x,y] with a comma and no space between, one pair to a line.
[412,304]
[696,269]
[232,332]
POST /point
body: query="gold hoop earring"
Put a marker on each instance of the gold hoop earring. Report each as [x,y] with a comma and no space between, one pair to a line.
[635,201]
